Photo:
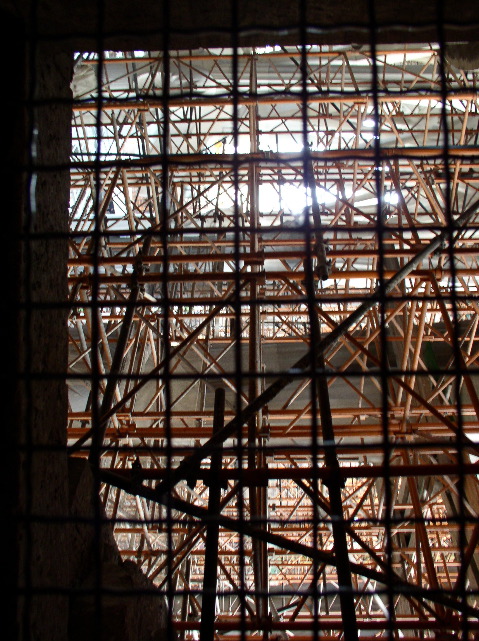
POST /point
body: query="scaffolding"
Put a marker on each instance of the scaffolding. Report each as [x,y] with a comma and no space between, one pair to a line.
[273,338]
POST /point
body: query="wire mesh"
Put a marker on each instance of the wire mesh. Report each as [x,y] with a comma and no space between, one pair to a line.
[272,328]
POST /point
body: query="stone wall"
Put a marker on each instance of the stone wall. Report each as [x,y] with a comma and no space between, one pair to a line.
[43,535]
[117,24]
[34,338]
[131,607]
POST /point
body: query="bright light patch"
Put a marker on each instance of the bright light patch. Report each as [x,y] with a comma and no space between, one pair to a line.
[287,144]
[293,199]
[391,197]
[267,49]
[325,197]
[242,148]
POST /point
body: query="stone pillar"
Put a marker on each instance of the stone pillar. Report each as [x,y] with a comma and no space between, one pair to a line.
[34,330]
[45,340]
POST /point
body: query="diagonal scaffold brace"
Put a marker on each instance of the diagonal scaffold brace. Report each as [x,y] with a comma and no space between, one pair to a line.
[303,365]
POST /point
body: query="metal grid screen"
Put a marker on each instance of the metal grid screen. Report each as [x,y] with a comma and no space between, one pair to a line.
[272,341]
